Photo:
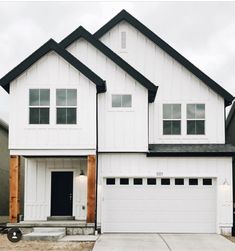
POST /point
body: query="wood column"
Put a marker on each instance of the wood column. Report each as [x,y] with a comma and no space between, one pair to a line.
[14,200]
[91,188]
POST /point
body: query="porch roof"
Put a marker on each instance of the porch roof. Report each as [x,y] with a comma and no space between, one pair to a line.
[180,150]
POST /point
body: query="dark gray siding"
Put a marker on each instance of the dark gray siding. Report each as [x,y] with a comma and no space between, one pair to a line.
[230,131]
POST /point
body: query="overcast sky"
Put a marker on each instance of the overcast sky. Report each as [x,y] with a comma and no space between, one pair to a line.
[204,32]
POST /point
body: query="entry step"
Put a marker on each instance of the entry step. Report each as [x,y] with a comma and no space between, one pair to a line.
[60,218]
[45,234]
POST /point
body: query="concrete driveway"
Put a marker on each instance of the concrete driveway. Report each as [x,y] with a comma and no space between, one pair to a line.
[163,242]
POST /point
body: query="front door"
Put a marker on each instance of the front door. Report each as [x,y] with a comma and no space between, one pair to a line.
[61,193]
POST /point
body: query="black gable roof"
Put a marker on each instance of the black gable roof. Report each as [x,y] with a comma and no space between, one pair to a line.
[81,32]
[51,45]
[124,15]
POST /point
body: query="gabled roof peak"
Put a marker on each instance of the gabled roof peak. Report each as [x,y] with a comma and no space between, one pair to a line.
[52,45]
[82,32]
[124,15]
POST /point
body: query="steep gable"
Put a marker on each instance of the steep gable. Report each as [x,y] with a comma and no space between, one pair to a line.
[83,33]
[51,45]
[125,16]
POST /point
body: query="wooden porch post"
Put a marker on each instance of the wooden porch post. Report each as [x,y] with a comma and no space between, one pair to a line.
[14,184]
[91,188]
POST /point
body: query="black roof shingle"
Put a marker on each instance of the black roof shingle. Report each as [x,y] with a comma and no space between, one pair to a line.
[175,150]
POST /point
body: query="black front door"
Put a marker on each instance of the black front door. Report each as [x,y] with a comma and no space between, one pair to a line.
[61,193]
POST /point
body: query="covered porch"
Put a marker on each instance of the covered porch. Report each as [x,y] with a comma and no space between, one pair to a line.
[56,189]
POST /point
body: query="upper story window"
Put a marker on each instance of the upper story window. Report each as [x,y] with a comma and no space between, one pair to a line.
[66,106]
[39,106]
[121,101]
[123,40]
[195,119]
[171,119]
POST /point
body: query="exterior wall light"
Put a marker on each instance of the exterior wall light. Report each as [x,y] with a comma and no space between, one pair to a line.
[225,185]
[82,173]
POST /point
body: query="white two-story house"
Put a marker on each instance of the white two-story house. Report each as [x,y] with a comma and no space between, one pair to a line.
[121,131]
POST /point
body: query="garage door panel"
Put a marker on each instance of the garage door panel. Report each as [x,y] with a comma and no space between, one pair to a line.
[159,208]
[161,227]
[157,193]
[159,216]
[161,205]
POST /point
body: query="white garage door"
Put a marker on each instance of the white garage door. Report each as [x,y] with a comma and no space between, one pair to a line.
[170,205]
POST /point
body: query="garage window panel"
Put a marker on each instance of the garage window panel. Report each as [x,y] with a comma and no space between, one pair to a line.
[193,182]
[110,181]
[151,181]
[124,181]
[207,182]
[165,181]
[138,181]
[179,181]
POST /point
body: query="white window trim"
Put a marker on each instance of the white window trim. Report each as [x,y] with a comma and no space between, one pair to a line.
[59,106]
[121,109]
[38,106]
[52,119]
[186,127]
[183,135]
[162,119]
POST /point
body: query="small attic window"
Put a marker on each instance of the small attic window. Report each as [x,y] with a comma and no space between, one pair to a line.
[123,40]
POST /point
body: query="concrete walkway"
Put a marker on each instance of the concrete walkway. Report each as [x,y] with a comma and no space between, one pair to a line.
[163,242]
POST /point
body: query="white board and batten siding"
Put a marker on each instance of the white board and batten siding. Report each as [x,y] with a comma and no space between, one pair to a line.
[186,206]
[119,129]
[37,205]
[52,72]
[176,85]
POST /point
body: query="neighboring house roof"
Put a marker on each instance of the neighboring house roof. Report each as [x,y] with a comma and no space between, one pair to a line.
[81,32]
[230,115]
[3,124]
[51,45]
[124,15]
[191,150]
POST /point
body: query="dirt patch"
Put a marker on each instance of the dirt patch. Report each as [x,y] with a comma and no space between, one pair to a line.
[231,238]
[4,219]
[6,245]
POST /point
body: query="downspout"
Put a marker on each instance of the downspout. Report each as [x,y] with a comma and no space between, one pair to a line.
[233,172]
[96,182]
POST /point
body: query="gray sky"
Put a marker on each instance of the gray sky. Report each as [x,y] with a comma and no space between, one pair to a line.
[204,32]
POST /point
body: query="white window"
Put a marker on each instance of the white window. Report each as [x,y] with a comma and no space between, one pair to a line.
[39,106]
[66,106]
[195,119]
[171,119]
[121,101]
[123,40]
